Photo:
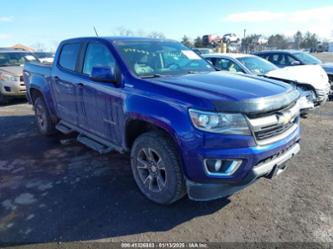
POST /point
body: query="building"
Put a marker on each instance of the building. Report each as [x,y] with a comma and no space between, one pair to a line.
[22,47]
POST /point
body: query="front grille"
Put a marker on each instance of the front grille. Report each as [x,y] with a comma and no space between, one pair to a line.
[275,126]
[271,132]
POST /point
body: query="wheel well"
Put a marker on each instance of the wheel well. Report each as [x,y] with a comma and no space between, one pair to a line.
[330,77]
[34,93]
[137,127]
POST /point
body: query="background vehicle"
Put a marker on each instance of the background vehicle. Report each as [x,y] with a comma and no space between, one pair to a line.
[11,73]
[310,80]
[211,40]
[284,58]
[45,57]
[187,127]
[230,38]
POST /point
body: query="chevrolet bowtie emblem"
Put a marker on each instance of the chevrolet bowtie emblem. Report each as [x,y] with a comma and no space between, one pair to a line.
[284,118]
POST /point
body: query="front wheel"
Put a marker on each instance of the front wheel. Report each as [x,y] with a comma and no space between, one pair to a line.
[157,169]
[44,122]
[3,99]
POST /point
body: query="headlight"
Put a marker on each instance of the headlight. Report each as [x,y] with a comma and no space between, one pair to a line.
[8,77]
[224,123]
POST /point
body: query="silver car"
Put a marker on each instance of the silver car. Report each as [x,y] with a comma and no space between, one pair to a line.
[11,73]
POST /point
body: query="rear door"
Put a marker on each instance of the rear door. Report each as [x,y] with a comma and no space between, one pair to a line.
[64,83]
[100,104]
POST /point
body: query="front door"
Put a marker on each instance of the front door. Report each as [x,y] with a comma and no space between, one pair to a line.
[100,104]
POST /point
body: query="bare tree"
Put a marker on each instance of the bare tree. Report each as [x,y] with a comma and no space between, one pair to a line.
[298,39]
[157,35]
[187,41]
[124,31]
[198,43]
[278,41]
[250,43]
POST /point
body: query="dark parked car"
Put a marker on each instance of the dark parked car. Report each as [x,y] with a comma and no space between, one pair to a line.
[284,58]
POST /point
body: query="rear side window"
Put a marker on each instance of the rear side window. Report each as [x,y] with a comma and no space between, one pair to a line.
[69,55]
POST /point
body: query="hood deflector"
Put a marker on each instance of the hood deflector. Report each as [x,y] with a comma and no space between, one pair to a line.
[258,105]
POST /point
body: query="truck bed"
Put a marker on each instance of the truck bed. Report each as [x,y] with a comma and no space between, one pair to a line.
[38,68]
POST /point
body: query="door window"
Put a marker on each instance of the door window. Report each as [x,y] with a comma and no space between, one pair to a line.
[278,59]
[97,55]
[68,56]
[289,60]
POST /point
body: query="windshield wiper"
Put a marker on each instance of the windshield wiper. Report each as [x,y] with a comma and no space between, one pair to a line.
[150,76]
[198,72]
[192,72]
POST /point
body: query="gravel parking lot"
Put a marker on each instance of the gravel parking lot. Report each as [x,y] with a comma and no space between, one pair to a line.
[325,57]
[53,189]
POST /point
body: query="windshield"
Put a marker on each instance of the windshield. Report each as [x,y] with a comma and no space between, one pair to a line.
[158,58]
[16,58]
[307,58]
[257,65]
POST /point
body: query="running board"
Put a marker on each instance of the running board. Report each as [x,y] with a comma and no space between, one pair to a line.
[63,128]
[93,144]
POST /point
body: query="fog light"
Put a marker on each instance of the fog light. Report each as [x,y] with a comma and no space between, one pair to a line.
[7,89]
[221,167]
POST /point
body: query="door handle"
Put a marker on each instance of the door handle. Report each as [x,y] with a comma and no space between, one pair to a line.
[80,84]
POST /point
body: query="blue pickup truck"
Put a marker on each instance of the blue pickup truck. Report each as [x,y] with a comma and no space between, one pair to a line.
[188,128]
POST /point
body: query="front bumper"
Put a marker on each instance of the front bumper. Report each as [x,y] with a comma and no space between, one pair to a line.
[322,96]
[269,167]
[14,89]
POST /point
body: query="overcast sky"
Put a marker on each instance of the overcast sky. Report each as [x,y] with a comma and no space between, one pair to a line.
[47,22]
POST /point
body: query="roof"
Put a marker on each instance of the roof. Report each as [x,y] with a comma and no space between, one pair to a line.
[116,38]
[232,55]
[10,50]
[23,47]
[278,51]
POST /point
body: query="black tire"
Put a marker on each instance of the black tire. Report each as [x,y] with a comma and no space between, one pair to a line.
[304,115]
[44,122]
[160,181]
[3,99]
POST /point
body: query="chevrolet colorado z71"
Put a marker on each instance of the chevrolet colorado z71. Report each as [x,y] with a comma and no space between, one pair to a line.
[188,128]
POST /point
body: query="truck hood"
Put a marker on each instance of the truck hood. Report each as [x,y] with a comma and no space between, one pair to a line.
[14,70]
[313,75]
[233,92]
[328,67]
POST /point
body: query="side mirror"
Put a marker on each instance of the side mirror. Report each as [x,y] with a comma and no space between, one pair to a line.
[104,74]
[296,63]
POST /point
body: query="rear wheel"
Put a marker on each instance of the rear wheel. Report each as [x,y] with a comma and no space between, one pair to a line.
[44,122]
[156,168]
